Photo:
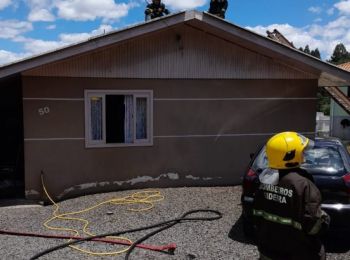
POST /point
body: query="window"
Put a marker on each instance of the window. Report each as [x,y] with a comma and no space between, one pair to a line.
[118,118]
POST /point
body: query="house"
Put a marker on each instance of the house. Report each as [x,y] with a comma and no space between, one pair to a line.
[181,100]
[339,111]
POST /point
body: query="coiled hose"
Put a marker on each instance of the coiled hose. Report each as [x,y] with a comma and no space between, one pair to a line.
[163,225]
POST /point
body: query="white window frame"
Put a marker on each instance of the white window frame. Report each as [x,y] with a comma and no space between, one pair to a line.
[89,143]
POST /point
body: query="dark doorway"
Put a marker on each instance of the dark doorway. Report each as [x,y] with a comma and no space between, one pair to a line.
[11,132]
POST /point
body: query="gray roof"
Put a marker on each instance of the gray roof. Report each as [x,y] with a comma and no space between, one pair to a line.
[328,74]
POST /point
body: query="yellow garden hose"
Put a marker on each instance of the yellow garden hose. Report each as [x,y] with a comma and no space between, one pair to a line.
[144,199]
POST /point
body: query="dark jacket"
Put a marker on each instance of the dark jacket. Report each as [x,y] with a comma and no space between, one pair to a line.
[218,7]
[156,10]
[289,218]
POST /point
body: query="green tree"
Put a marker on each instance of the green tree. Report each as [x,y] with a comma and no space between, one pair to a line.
[307,49]
[340,54]
[323,101]
[316,53]
[323,98]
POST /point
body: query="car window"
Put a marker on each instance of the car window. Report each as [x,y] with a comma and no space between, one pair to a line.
[327,159]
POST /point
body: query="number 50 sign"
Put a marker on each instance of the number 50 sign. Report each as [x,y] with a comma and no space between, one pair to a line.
[43,111]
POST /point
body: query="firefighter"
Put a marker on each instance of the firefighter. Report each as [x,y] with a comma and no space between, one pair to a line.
[155,9]
[218,8]
[287,212]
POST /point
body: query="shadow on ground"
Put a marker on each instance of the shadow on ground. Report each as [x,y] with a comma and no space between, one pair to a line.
[236,233]
[335,241]
[18,202]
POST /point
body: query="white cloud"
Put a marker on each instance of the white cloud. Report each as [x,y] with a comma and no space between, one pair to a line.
[73,37]
[44,15]
[324,37]
[37,46]
[343,7]
[184,4]
[78,37]
[8,57]
[40,10]
[336,29]
[88,10]
[51,27]
[78,10]
[13,28]
[4,4]
[315,9]
[298,36]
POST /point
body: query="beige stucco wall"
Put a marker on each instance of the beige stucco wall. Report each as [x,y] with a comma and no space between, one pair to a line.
[203,132]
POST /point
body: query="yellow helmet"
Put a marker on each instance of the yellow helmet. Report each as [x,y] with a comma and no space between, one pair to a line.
[285,150]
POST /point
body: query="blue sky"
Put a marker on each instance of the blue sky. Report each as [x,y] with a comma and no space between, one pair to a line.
[31,27]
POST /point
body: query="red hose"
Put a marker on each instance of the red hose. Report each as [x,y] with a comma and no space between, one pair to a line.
[169,248]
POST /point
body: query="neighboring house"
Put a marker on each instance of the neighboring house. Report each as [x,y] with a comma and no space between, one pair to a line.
[340,118]
[177,101]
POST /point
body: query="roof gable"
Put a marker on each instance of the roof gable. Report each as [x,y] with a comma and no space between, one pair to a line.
[328,74]
[181,52]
